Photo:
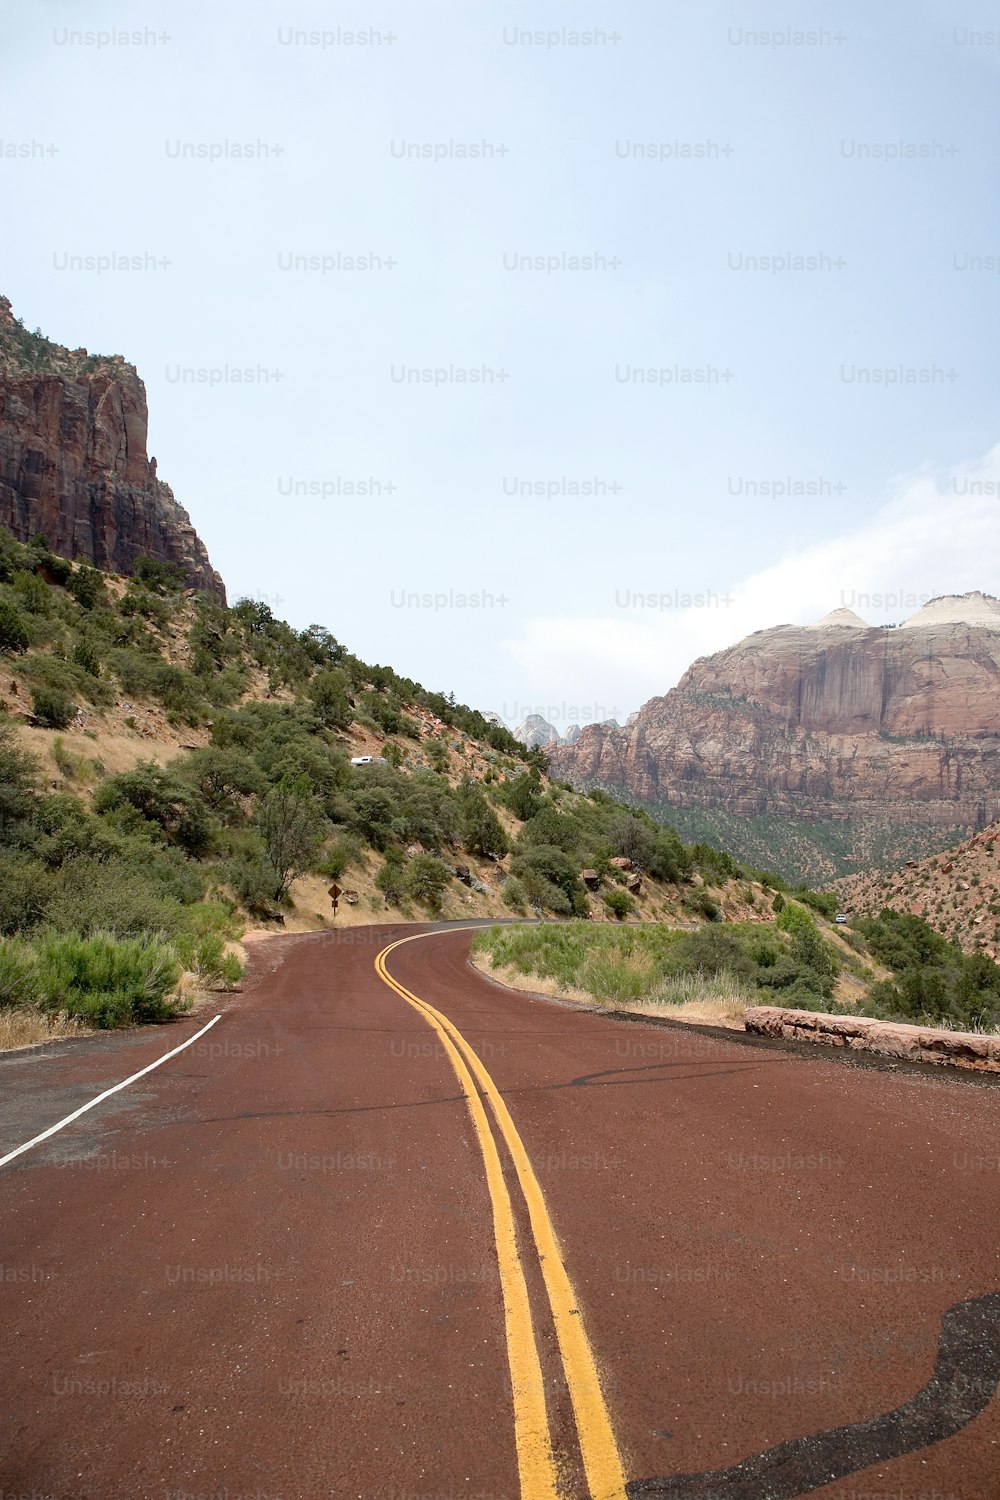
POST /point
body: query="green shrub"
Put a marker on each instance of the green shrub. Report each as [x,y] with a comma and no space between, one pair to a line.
[512,894]
[253,881]
[25,891]
[328,694]
[616,979]
[52,708]
[32,593]
[619,903]
[18,780]
[85,656]
[159,798]
[827,903]
[119,896]
[86,585]
[700,904]
[14,636]
[107,981]
[18,975]
[426,880]
[340,855]
[391,882]
[205,955]
[162,577]
[794,918]
[479,829]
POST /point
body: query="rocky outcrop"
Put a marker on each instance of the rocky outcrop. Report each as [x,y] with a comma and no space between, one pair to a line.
[957,892]
[962,1049]
[73,462]
[892,734]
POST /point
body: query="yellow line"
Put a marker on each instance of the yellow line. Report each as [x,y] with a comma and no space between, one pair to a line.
[535,1459]
[599,1449]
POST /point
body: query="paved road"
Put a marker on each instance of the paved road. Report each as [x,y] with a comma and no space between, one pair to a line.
[297,1261]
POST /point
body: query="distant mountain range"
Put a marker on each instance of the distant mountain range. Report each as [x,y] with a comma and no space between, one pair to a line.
[819,750]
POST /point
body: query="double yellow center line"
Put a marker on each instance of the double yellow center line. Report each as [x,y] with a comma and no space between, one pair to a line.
[535,1456]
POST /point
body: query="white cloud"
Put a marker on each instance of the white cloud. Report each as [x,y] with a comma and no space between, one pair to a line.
[935,534]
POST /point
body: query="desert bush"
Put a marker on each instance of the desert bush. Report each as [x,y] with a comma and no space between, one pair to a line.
[426,880]
[107,981]
[14,635]
[86,585]
[18,975]
[617,979]
[162,799]
[52,708]
[205,955]
[25,891]
[700,904]
[344,851]
[619,903]
[391,882]
[119,896]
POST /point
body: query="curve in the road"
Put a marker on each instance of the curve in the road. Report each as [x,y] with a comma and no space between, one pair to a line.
[965,1378]
[598,1447]
[535,1456]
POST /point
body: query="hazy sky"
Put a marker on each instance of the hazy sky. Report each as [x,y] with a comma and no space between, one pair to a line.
[459,148]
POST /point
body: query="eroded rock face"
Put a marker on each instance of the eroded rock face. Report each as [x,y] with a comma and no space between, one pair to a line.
[73,461]
[820,724]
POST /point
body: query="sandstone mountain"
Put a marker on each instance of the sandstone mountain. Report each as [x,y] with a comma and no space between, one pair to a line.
[957,892]
[73,462]
[536,732]
[820,750]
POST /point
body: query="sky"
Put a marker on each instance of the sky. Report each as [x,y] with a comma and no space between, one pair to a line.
[644,326]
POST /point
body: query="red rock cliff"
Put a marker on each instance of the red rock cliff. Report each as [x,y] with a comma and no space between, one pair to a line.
[73,461]
[822,724]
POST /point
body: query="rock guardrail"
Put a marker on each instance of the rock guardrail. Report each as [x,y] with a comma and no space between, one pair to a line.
[960,1049]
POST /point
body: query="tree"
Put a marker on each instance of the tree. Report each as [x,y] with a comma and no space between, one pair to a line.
[159,797]
[86,585]
[523,796]
[426,879]
[291,825]
[327,692]
[480,830]
[223,776]
[13,632]
[18,780]
[159,575]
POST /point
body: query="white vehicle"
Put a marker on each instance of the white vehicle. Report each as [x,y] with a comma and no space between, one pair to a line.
[368,760]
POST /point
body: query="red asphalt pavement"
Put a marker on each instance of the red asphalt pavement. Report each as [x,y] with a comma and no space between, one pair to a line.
[268,1268]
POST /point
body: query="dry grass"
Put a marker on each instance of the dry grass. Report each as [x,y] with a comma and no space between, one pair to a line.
[23,1028]
[715,1002]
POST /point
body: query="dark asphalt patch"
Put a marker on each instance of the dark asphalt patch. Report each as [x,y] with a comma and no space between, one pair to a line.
[964,1382]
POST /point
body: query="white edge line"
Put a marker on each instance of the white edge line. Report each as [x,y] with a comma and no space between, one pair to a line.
[106,1095]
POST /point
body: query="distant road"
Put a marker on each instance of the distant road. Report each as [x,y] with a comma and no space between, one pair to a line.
[298,1261]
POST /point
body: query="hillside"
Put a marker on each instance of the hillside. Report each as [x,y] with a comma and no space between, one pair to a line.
[173,771]
[73,461]
[956,892]
[818,750]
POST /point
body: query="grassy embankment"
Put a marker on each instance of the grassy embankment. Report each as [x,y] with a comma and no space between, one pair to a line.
[893,966]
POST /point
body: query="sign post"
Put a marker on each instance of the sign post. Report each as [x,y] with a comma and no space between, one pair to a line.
[335,893]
